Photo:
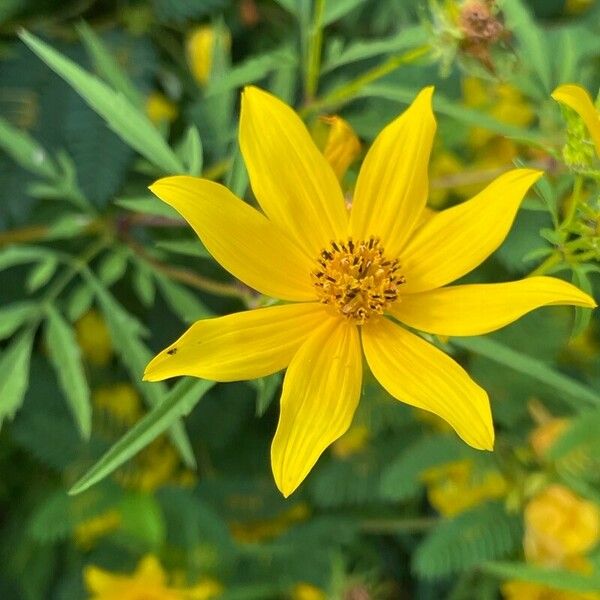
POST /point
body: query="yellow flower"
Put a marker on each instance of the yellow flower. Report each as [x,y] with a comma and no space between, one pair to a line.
[306,591]
[160,109]
[200,50]
[258,530]
[93,338]
[344,273]
[342,146]
[89,531]
[148,582]
[455,487]
[543,437]
[559,525]
[524,590]
[121,401]
[578,99]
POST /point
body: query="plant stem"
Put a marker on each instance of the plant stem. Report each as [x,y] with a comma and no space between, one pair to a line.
[315,44]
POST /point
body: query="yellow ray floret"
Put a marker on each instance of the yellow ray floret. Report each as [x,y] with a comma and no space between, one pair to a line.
[346,275]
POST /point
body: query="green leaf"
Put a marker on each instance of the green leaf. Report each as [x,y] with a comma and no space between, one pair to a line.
[582,315]
[190,151]
[79,302]
[265,392]
[237,177]
[142,520]
[183,302]
[14,315]
[193,248]
[406,39]
[552,577]
[574,391]
[482,533]
[107,66]
[127,121]
[179,402]
[143,284]
[65,357]
[25,151]
[339,9]
[112,267]
[148,205]
[19,255]
[14,374]
[41,274]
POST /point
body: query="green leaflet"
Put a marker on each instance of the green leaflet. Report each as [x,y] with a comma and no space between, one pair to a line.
[14,374]
[65,356]
[14,315]
[127,121]
[529,366]
[178,403]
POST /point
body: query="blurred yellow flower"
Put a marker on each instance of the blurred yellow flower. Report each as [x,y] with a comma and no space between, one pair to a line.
[523,590]
[88,532]
[200,51]
[543,436]
[263,529]
[559,525]
[578,99]
[342,273]
[93,338]
[575,7]
[444,164]
[342,146]
[148,582]
[160,109]
[120,400]
[455,487]
[306,591]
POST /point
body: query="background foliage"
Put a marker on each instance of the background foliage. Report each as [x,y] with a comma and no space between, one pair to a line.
[97,100]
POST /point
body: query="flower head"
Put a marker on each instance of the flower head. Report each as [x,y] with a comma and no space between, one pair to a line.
[348,277]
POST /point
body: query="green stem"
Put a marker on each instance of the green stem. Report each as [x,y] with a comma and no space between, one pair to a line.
[315,44]
[554,259]
[349,90]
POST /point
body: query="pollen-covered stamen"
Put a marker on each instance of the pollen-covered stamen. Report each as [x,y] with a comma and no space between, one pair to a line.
[357,279]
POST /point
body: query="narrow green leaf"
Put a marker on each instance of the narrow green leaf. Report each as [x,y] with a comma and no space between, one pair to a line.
[411,37]
[41,274]
[148,205]
[193,248]
[14,374]
[339,9]
[112,267]
[14,315]
[107,66]
[582,315]
[237,177]
[143,284]
[19,255]
[79,302]
[552,577]
[127,121]
[532,367]
[183,302]
[65,357]
[180,401]
[190,151]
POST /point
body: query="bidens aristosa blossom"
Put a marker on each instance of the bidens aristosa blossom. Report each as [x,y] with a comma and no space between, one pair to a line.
[348,278]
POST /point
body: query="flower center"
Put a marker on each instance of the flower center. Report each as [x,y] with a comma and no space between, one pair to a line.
[357,279]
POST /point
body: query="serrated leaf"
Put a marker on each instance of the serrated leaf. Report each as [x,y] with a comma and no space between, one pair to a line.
[483,533]
[14,374]
[575,391]
[178,403]
[14,315]
[127,121]
[65,357]
[41,274]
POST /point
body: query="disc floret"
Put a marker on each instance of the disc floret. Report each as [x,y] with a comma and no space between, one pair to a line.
[357,279]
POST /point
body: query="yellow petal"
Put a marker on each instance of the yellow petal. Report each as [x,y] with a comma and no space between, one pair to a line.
[481,308]
[321,390]
[456,240]
[419,374]
[249,246]
[98,581]
[291,179]
[577,98]
[342,146]
[150,571]
[240,346]
[391,190]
